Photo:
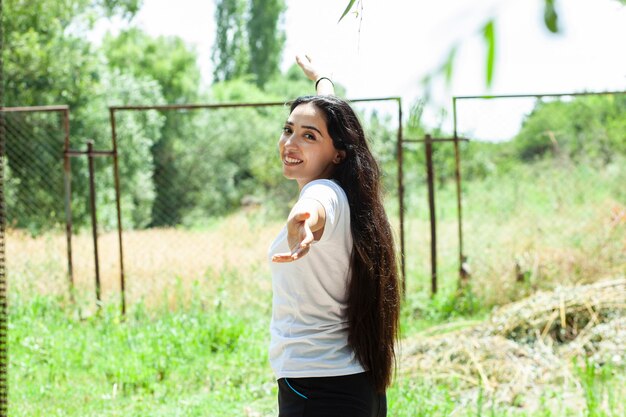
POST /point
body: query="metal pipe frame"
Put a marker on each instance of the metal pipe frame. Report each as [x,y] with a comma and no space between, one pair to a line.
[463,273]
[539,95]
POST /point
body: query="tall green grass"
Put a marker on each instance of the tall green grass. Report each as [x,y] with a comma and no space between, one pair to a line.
[531,227]
[192,361]
[208,361]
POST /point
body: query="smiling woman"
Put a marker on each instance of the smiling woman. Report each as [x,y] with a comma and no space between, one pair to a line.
[334,276]
[306,148]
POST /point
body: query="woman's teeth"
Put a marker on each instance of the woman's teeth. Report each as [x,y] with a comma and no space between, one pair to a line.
[289,160]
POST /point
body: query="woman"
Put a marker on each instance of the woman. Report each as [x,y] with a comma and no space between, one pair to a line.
[334,274]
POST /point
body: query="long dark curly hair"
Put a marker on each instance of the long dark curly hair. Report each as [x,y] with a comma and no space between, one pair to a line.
[373,291]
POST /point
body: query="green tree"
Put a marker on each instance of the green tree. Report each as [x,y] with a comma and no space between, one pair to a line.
[37,33]
[266,38]
[231,154]
[167,60]
[137,133]
[173,65]
[231,55]
[47,60]
[249,39]
[587,127]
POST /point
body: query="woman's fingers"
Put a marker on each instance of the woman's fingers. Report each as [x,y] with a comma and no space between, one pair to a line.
[301,59]
[306,63]
[308,236]
[299,237]
[292,256]
[299,232]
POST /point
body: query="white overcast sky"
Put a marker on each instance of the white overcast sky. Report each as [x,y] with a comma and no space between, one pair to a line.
[388,49]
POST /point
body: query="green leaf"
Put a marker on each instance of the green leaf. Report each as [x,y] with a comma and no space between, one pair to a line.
[490,39]
[345,12]
[550,16]
[448,66]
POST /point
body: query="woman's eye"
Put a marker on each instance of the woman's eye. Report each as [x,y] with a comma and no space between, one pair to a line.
[309,136]
[286,130]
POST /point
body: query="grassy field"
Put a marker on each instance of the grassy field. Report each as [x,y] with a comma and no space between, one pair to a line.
[195,337]
[211,361]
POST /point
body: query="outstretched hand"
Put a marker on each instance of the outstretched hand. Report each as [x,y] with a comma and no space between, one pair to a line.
[299,238]
[308,67]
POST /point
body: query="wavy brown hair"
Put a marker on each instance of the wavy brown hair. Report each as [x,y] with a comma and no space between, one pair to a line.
[373,291]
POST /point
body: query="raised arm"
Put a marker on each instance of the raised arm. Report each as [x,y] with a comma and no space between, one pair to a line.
[323,83]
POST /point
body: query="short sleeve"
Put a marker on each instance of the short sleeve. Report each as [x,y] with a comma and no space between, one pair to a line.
[332,198]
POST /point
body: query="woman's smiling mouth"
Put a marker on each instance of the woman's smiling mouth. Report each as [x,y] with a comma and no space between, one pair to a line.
[291,161]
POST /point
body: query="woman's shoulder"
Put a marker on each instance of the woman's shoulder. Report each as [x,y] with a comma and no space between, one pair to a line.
[324,186]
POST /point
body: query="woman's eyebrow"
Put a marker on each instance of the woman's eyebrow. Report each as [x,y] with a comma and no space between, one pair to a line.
[313,128]
[290,123]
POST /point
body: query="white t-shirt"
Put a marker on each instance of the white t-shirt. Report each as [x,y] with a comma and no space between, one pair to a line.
[309,329]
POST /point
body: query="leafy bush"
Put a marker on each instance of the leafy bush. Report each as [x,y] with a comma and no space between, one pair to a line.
[587,127]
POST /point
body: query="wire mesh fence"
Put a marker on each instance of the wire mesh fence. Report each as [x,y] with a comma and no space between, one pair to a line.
[543,190]
[34,187]
[34,177]
[203,195]
[416,220]
[181,183]
[4,362]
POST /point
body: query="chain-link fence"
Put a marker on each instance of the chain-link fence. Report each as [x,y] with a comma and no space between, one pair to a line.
[544,201]
[50,249]
[34,187]
[202,193]
[3,278]
[185,196]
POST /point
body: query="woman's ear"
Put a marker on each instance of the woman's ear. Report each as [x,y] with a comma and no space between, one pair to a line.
[339,156]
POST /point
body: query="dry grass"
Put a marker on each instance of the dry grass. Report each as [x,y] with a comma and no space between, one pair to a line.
[508,260]
[529,253]
[160,264]
[528,345]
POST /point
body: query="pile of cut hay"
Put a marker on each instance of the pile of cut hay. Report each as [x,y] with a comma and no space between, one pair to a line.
[527,345]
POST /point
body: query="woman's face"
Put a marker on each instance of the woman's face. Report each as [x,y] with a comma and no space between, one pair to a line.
[306,149]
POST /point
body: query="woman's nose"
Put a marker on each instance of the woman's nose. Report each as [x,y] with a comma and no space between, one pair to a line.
[288,140]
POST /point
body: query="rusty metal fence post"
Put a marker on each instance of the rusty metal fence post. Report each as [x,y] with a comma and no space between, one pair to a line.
[428,150]
[400,150]
[94,219]
[463,270]
[119,209]
[67,178]
[428,142]
[90,153]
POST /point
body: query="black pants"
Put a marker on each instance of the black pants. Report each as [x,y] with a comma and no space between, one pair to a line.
[340,396]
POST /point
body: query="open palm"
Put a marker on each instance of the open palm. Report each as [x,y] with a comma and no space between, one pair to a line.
[299,238]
